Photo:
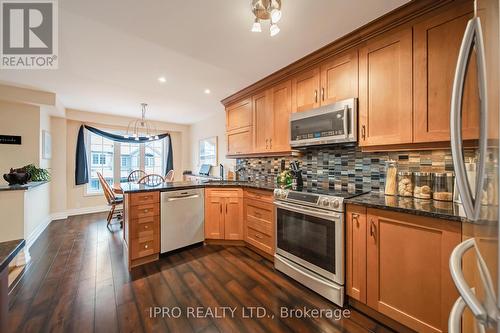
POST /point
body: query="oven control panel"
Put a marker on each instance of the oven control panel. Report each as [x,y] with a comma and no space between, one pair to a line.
[309,199]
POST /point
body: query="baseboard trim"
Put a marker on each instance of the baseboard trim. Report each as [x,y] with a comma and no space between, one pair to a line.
[31,239]
[78,211]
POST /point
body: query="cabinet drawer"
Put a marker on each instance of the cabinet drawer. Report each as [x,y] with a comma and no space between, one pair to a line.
[260,211]
[262,195]
[260,240]
[146,210]
[224,193]
[260,225]
[144,198]
[143,247]
[145,227]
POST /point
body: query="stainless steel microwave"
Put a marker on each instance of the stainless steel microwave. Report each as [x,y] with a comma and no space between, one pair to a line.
[334,123]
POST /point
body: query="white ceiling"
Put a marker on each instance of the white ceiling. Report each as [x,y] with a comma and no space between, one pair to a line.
[112,52]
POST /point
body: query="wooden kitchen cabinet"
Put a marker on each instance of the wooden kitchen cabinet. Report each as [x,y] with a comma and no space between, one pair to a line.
[281,106]
[339,78]
[263,121]
[259,220]
[239,115]
[305,90]
[407,276]
[224,213]
[141,227]
[437,42]
[356,252]
[385,90]
[240,141]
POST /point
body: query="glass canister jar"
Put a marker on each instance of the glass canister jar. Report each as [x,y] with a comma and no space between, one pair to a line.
[442,187]
[423,185]
[391,175]
[405,183]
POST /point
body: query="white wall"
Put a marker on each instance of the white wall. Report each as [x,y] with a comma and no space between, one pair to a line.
[212,126]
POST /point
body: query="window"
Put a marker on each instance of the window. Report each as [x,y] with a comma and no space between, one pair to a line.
[115,160]
[153,157]
[102,152]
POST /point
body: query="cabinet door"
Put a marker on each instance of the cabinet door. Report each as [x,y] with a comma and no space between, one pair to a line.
[385,90]
[281,104]
[263,121]
[305,90]
[214,217]
[239,115]
[437,43]
[356,252]
[339,78]
[408,278]
[233,219]
[240,141]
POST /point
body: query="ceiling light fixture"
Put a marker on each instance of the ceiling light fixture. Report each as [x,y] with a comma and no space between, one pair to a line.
[266,10]
[162,79]
[141,127]
[207,91]
[256,26]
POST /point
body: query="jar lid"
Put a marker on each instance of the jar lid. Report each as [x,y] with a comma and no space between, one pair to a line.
[422,174]
[444,174]
[405,173]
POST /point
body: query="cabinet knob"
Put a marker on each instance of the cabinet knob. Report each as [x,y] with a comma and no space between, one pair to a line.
[146,226]
[146,246]
[146,210]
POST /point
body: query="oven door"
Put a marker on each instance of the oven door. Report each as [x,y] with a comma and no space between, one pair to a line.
[312,238]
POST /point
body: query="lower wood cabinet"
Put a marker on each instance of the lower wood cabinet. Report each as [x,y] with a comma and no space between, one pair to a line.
[259,220]
[141,228]
[224,213]
[403,273]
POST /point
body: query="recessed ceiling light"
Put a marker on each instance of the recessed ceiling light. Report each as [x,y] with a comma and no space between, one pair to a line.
[207,91]
[162,79]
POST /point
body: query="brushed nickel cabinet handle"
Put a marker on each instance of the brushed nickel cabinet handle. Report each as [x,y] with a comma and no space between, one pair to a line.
[322,94]
[363,132]
[315,96]
[220,206]
[226,208]
[267,143]
[373,229]
[355,217]
[270,143]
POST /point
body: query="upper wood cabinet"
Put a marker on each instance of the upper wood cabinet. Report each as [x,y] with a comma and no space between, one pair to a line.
[239,115]
[305,90]
[240,141]
[339,78]
[385,90]
[281,106]
[263,121]
[408,277]
[437,42]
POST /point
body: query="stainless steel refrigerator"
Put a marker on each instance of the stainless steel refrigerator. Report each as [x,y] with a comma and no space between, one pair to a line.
[474,263]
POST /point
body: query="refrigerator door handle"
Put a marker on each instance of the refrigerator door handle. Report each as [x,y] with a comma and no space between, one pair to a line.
[472,40]
[455,318]
[458,278]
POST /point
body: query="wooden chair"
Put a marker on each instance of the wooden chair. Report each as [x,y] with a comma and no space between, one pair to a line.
[135,175]
[113,201]
[151,180]
[169,177]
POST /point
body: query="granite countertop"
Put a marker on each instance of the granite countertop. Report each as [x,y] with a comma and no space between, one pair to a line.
[8,250]
[431,208]
[174,186]
[24,187]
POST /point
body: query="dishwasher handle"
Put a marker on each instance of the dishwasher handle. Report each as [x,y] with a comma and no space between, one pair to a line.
[184,197]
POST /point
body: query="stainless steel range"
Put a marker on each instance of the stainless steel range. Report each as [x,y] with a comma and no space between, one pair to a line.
[310,239]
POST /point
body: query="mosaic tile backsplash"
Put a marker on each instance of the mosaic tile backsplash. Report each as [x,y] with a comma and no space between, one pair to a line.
[347,167]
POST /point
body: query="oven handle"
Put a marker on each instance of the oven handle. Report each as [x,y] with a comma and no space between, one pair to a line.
[309,211]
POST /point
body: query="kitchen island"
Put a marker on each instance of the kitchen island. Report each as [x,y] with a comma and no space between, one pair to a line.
[142,216]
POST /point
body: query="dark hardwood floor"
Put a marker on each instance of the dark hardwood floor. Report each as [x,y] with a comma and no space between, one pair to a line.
[78,282]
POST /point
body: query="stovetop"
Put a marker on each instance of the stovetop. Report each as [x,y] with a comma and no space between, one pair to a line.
[329,199]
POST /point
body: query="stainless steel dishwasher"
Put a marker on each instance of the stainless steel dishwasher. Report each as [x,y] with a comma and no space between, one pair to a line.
[182,218]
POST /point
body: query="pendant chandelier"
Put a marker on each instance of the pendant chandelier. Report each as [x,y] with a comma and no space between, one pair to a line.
[141,128]
[266,10]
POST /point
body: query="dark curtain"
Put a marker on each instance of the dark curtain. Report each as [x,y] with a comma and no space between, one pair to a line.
[121,138]
[170,158]
[81,170]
